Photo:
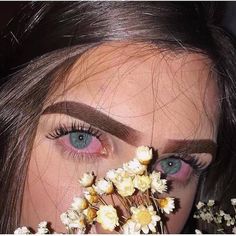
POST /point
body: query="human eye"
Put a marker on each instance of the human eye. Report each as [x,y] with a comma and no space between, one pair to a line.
[180,167]
[81,141]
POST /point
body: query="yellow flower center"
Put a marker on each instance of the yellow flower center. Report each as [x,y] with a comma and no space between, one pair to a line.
[163,202]
[144,217]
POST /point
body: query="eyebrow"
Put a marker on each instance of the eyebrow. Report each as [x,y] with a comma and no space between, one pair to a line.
[95,118]
[191,146]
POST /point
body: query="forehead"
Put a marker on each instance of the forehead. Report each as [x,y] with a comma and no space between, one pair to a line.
[140,86]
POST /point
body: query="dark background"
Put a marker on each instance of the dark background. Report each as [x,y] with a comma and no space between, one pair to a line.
[7,11]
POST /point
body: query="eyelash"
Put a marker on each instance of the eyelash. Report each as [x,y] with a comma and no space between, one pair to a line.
[63,130]
[193,161]
[184,174]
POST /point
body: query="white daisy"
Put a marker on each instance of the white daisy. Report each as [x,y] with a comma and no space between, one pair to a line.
[79,204]
[77,222]
[73,219]
[103,187]
[200,205]
[166,204]
[142,182]
[116,175]
[157,184]
[206,217]
[42,228]
[107,217]
[211,203]
[22,230]
[43,224]
[146,218]
[42,231]
[233,201]
[125,187]
[134,167]
[65,218]
[131,227]
[197,231]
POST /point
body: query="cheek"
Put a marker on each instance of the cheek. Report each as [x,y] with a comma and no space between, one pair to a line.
[185,198]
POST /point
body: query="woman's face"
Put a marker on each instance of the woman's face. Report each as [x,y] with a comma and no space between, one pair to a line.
[118,97]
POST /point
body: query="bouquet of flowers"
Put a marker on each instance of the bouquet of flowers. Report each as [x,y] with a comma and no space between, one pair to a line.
[127,200]
[209,212]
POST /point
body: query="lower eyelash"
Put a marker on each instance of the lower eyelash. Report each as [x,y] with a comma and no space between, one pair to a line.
[78,157]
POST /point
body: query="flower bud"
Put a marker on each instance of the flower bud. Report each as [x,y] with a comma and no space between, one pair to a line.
[144,154]
[87,179]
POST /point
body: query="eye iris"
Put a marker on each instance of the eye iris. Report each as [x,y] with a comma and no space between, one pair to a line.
[171,166]
[80,140]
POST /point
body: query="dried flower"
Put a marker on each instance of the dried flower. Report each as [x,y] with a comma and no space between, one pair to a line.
[103,187]
[65,218]
[144,154]
[234,230]
[90,195]
[79,204]
[134,167]
[200,205]
[77,221]
[166,204]
[142,182]
[197,231]
[233,201]
[87,179]
[107,217]
[125,187]
[43,224]
[116,175]
[131,186]
[211,203]
[22,230]
[90,214]
[42,228]
[206,216]
[157,184]
[92,199]
[131,227]
[145,217]
[90,190]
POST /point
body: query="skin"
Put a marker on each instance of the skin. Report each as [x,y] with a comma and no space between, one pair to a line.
[160,95]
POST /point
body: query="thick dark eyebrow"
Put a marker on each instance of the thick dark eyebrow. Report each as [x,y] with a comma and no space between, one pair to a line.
[191,146]
[95,118]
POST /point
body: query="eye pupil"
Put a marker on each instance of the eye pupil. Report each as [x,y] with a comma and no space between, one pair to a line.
[170,163]
[80,140]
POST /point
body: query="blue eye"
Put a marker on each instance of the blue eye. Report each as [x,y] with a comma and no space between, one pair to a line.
[171,166]
[80,140]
